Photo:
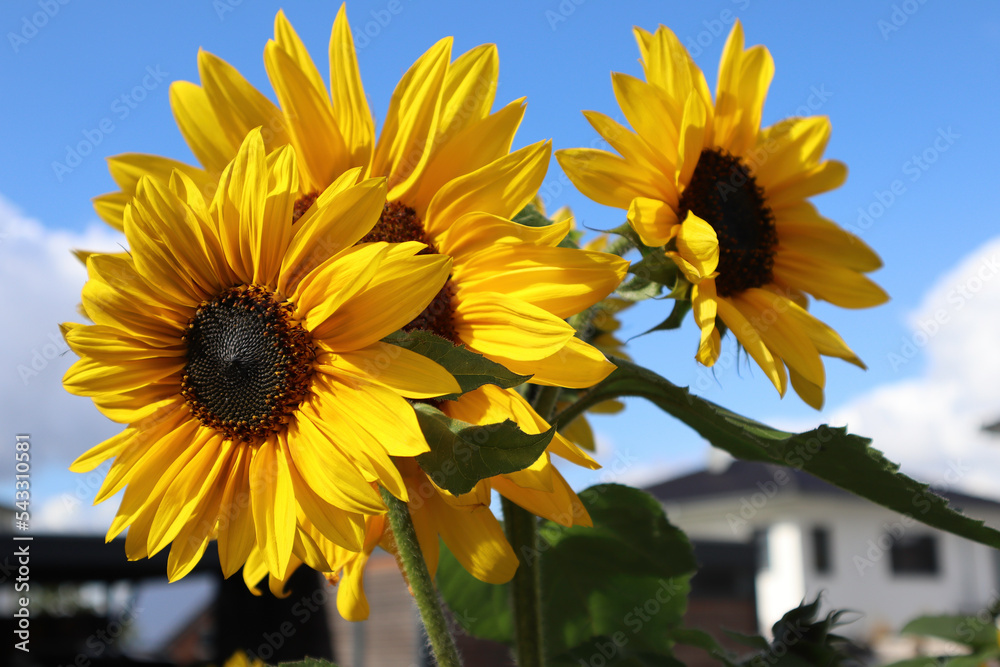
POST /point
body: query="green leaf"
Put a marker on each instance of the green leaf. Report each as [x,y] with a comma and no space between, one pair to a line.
[974,660]
[681,308]
[656,267]
[625,580]
[606,652]
[471,369]
[462,454]
[531,217]
[832,454]
[638,289]
[970,631]
[308,662]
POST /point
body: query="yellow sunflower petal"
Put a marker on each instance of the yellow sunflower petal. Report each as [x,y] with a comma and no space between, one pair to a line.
[238,106]
[350,105]
[474,147]
[200,126]
[652,220]
[502,188]
[693,138]
[809,392]
[577,365]
[697,249]
[411,121]
[704,302]
[478,231]
[563,281]
[408,373]
[496,324]
[319,145]
[477,540]
[376,311]
[752,342]
[609,179]
[802,229]
[764,310]
[272,501]
[236,528]
[836,284]
[334,225]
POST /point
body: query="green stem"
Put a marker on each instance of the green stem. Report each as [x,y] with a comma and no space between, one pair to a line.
[420,581]
[545,401]
[521,527]
[619,246]
[525,588]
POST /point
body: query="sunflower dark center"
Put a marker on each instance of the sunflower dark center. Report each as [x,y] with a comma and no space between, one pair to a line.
[249,365]
[725,194]
[302,205]
[399,223]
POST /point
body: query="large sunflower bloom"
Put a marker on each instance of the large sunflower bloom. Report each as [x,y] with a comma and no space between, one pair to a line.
[729,201]
[454,185]
[235,346]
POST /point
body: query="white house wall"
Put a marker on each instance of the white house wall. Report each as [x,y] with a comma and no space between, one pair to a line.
[861,577]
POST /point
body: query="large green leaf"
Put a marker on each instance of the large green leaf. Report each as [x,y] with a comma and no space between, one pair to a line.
[624,581]
[471,369]
[972,631]
[829,453]
[975,660]
[462,453]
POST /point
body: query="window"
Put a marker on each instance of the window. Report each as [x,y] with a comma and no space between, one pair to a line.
[821,550]
[912,554]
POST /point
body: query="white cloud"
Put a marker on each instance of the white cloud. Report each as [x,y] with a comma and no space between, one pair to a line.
[932,423]
[40,282]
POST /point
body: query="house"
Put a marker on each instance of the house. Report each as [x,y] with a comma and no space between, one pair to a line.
[811,537]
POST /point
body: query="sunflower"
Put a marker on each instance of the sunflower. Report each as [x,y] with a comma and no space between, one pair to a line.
[729,202]
[453,185]
[235,345]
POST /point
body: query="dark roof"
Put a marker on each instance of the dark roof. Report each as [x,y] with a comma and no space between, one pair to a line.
[749,476]
[57,558]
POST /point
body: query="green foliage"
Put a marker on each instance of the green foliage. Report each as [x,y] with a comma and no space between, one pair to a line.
[832,454]
[308,662]
[530,216]
[978,633]
[471,369]
[613,591]
[462,454]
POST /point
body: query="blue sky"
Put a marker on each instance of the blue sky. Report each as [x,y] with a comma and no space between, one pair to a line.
[911,89]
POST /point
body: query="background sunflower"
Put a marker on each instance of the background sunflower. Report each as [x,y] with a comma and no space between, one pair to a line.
[729,201]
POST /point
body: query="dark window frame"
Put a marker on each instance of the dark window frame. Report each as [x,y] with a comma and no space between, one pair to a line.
[822,550]
[915,556]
